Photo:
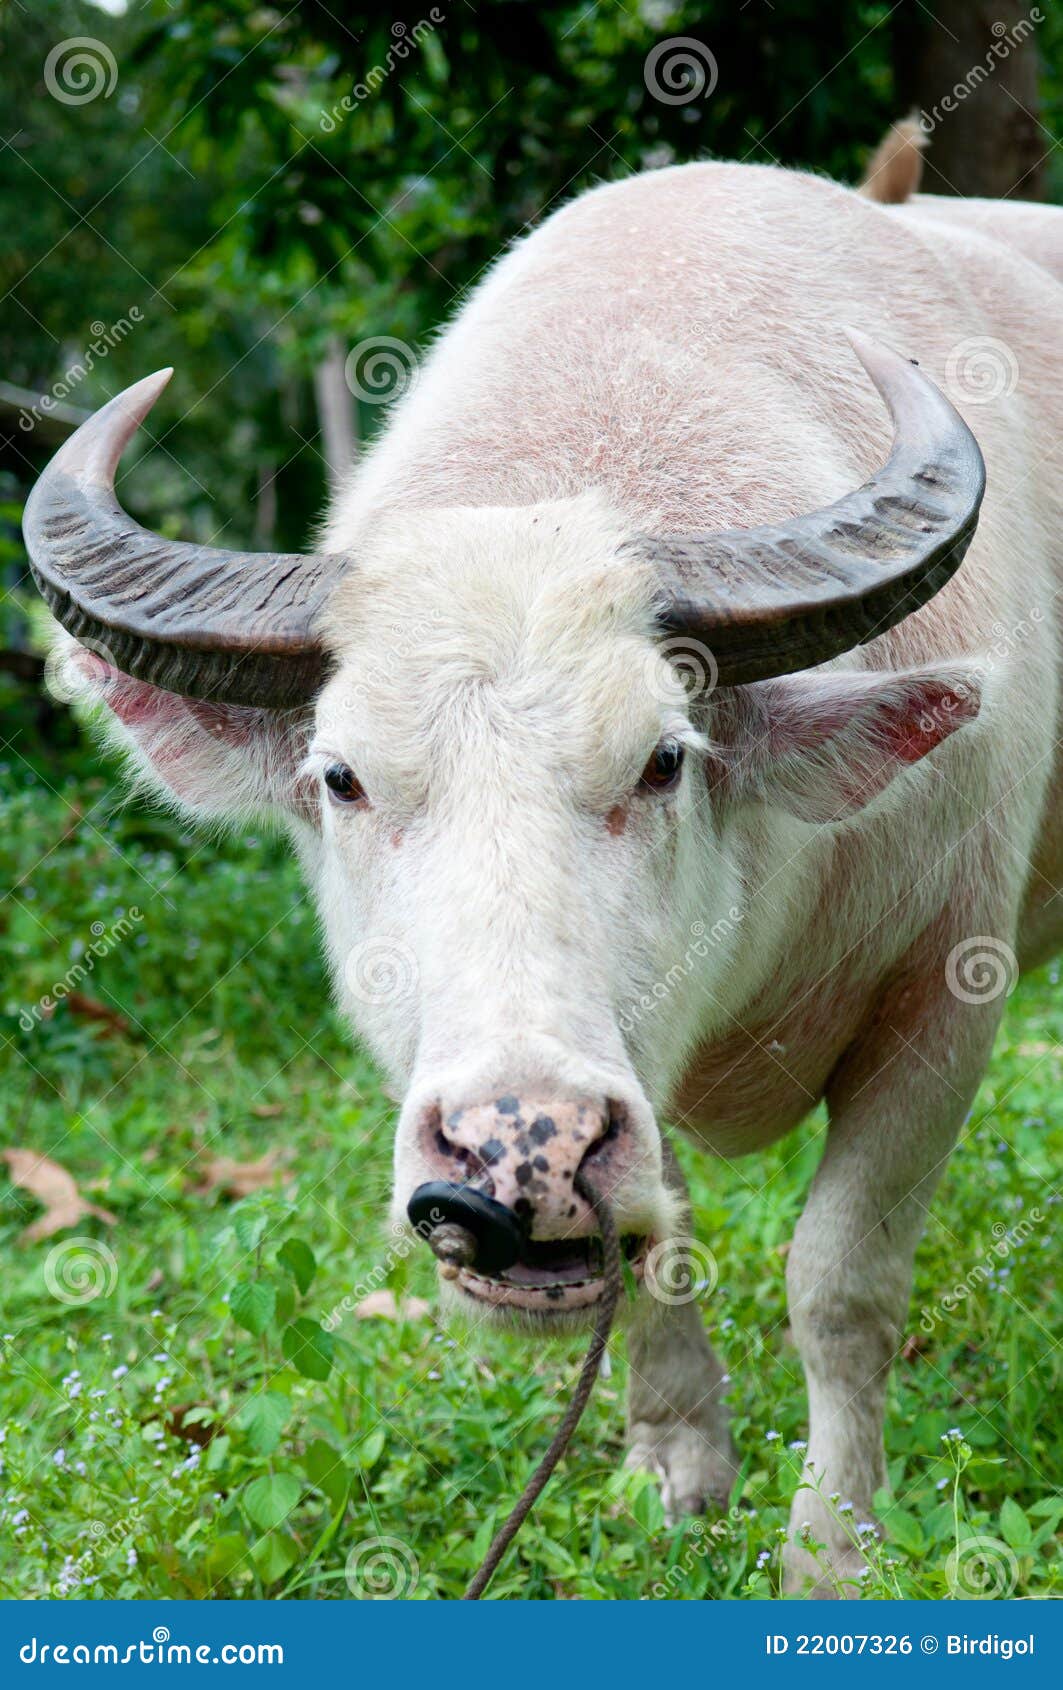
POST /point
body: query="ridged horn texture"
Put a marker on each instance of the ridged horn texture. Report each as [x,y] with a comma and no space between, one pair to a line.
[236,627]
[788,595]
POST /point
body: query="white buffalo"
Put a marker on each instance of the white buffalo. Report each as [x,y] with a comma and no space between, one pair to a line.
[643,750]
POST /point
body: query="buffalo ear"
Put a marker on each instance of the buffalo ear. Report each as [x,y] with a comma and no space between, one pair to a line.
[821,747]
[221,762]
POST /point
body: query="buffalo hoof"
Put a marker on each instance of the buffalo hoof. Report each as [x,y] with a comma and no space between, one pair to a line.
[695,1464]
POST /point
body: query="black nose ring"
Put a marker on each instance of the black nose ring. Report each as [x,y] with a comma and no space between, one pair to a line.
[464,1227]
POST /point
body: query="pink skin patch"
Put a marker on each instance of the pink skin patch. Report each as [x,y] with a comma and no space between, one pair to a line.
[185,741]
[139,705]
[824,746]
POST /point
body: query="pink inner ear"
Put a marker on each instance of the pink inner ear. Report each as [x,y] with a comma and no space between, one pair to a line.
[928,714]
[822,747]
[224,760]
[139,705]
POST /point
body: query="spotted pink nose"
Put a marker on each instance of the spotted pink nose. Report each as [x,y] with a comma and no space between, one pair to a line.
[524,1152]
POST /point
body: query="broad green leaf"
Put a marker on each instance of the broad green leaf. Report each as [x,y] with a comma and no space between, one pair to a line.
[284,1291]
[270,1499]
[324,1468]
[253,1304]
[904,1530]
[273,1555]
[648,1509]
[366,1453]
[218,1453]
[224,1555]
[200,1415]
[308,1348]
[262,1419]
[1048,1507]
[1014,1525]
[297,1258]
[558,1560]
[249,1224]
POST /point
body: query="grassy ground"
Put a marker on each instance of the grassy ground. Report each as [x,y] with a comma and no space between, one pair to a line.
[156,1445]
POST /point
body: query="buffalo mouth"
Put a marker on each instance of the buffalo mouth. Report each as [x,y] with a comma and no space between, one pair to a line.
[553,1276]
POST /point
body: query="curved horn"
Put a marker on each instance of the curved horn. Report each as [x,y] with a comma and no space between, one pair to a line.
[236,627]
[789,595]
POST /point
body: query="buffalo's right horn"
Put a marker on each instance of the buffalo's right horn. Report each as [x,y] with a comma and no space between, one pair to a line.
[791,594]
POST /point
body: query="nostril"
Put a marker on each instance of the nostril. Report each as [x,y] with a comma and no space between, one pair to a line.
[615,1129]
[449,1155]
[614,1125]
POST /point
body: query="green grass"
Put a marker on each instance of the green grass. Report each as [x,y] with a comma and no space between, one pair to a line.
[389,1473]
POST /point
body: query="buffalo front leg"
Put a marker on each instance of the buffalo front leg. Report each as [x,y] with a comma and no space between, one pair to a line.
[678,1423]
[896,1105]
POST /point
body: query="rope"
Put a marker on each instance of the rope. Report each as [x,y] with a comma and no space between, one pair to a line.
[611,1277]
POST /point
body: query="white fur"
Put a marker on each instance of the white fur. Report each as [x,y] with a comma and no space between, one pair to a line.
[668,354]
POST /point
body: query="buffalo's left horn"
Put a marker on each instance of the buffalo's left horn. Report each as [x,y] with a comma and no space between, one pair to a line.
[237,627]
[788,595]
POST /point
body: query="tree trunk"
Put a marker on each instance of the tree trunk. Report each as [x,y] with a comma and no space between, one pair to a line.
[969,68]
[335,411]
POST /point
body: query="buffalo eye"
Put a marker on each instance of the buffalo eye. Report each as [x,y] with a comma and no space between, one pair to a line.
[343,784]
[662,771]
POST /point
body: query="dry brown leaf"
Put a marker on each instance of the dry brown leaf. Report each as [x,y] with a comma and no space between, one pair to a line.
[55,1188]
[237,1179]
[193,1431]
[381,1305]
[93,1009]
